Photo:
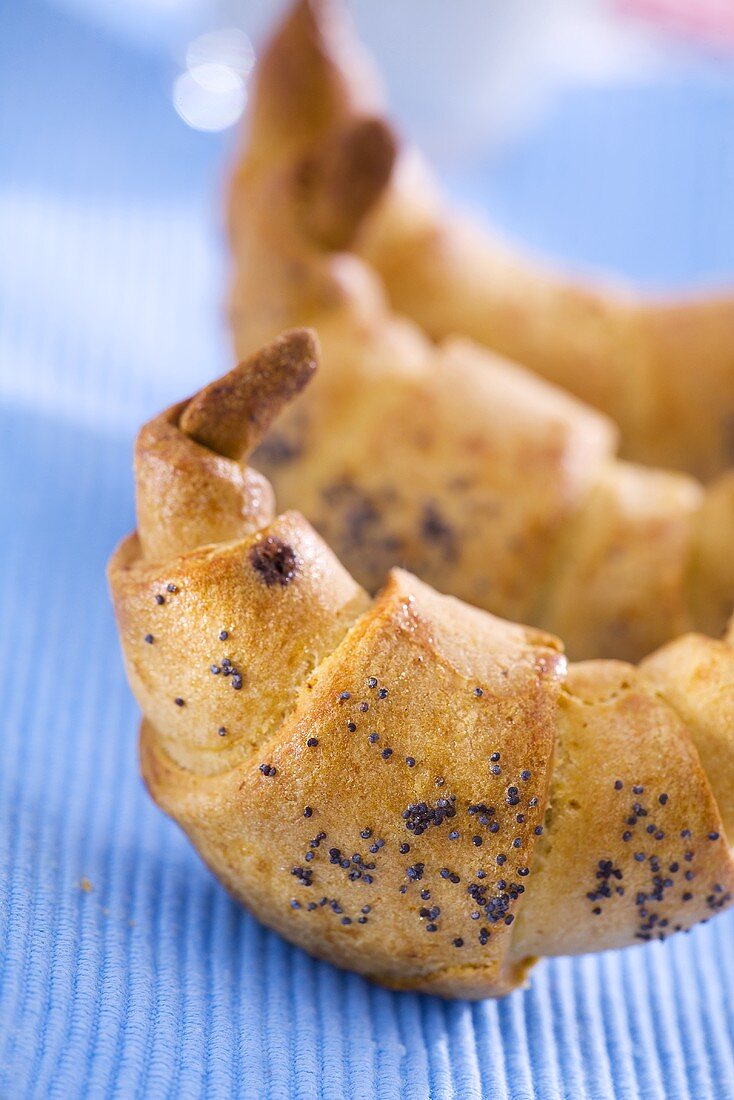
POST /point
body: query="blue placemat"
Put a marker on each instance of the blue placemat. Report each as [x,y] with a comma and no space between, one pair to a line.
[125,971]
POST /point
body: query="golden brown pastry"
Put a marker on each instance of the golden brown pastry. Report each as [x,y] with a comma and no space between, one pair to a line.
[406,786]
[473,473]
[662,369]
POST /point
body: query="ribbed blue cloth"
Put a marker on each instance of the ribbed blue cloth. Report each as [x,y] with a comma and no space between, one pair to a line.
[125,970]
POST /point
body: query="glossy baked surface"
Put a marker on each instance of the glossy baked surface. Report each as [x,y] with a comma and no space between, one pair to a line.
[195,993]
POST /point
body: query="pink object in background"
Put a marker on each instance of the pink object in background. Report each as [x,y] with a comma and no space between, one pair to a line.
[710,21]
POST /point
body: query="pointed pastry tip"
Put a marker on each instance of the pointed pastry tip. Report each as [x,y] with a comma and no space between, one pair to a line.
[312,13]
[343,178]
[231,415]
[309,22]
[311,76]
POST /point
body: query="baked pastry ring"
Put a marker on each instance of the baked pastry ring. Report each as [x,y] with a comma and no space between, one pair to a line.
[663,368]
[473,473]
[405,786]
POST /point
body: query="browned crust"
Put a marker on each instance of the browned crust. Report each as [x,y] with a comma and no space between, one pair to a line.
[282,704]
[467,470]
[662,367]
[232,415]
[341,180]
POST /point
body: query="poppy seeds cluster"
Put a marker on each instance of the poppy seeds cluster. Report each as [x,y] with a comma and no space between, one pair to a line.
[491,893]
[404,785]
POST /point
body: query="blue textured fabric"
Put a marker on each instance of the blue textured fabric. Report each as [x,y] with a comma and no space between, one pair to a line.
[125,971]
